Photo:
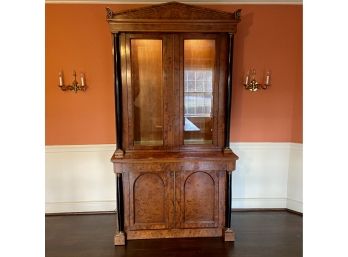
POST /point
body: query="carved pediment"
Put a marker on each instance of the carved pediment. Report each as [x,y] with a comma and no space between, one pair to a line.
[172,17]
[173,11]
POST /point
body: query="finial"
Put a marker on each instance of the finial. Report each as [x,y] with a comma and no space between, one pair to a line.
[237,14]
[109,13]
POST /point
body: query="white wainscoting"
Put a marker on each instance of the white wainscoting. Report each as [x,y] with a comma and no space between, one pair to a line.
[81,179]
[295,184]
[261,178]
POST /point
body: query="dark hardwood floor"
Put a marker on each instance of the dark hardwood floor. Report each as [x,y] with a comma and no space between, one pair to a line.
[258,234]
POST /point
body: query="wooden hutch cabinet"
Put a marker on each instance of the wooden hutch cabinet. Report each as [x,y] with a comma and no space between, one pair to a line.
[173,162]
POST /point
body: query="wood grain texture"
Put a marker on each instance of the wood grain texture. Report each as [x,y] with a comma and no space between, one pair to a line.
[174,233]
[199,203]
[165,191]
[172,189]
[173,17]
[173,10]
[150,197]
[199,199]
[172,80]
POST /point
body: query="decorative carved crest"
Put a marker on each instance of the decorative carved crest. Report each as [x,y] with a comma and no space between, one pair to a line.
[109,13]
[173,17]
[175,10]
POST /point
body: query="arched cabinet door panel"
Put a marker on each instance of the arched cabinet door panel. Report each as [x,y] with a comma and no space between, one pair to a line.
[150,200]
[198,199]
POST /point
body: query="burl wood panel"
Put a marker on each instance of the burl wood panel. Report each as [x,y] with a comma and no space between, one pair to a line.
[149,202]
[191,193]
[199,199]
[199,192]
[149,199]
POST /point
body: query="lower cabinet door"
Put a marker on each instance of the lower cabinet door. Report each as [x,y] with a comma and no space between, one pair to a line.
[150,200]
[198,199]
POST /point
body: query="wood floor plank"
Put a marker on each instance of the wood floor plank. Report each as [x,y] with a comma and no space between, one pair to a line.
[258,234]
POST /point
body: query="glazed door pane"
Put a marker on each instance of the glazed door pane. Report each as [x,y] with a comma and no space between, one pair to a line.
[147,83]
[199,67]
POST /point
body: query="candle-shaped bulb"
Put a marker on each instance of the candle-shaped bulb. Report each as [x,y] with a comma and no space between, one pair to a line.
[268,78]
[246,79]
[253,73]
[60,79]
[82,79]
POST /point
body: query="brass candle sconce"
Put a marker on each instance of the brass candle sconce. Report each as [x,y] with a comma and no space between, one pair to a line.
[250,83]
[74,85]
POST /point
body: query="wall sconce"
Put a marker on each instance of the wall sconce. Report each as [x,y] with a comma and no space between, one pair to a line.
[251,84]
[75,85]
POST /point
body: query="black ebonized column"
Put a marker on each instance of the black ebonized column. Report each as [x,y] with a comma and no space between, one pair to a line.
[228,199]
[118,90]
[229,91]
[119,197]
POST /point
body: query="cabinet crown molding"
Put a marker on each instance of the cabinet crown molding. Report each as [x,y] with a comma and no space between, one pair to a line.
[172,16]
[174,10]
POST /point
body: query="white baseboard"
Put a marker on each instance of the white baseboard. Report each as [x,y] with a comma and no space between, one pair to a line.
[294,205]
[80,178]
[255,203]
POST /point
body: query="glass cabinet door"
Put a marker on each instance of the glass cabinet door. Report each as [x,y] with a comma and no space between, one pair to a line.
[147,90]
[172,90]
[199,67]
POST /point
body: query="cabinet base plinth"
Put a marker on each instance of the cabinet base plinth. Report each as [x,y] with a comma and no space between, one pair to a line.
[119,238]
[229,235]
[174,233]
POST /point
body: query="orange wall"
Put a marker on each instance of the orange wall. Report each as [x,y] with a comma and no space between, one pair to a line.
[77,37]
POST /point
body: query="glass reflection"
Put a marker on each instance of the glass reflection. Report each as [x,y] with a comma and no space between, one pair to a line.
[146,61]
[199,64]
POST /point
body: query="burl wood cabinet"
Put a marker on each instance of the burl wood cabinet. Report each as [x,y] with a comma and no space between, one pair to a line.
[173,162]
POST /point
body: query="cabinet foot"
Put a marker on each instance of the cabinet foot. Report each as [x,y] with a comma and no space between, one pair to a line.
[119,238]
[229,235]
